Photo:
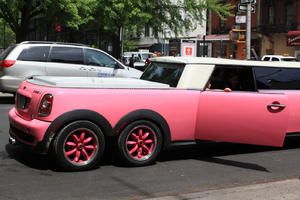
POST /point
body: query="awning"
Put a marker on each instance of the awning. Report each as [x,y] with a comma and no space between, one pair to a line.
[219,37]
[293,38]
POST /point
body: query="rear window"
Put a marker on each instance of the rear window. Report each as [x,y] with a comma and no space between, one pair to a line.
[163,73]
[67,55]
[5,53]
[289,59]
[34,53]
[277,78]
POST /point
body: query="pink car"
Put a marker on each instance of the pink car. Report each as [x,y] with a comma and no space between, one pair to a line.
[176,100]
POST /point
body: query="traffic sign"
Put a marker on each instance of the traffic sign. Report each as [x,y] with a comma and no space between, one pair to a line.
[243,8]
[248,1]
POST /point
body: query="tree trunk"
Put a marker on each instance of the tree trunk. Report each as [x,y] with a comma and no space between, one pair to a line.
[23,29]
[21,35]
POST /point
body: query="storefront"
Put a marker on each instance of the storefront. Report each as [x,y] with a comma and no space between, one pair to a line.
[223,47]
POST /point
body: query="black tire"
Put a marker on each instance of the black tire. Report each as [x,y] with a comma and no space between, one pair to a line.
[136,151]
[75,151]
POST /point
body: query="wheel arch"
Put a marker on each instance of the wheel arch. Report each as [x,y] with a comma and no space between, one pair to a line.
[149,115]
[76,115]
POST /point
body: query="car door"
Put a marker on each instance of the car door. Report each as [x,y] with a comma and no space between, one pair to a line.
[247,116]
[66,61]
[99,64]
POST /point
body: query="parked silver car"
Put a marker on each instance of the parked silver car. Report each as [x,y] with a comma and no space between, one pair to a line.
[32,58]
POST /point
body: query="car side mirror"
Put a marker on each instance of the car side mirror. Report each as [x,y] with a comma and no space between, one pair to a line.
[118,66]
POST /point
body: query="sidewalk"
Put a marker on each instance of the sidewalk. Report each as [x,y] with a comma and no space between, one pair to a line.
[280,190]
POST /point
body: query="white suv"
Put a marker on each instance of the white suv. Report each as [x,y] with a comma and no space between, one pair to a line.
[278,58]
[29,59]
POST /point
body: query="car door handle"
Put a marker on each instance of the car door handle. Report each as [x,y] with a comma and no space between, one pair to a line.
[92,69]
[276,107]
[82,68]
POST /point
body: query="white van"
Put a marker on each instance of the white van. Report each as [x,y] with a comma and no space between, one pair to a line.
[45,58]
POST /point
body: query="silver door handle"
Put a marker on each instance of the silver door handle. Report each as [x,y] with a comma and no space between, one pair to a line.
[276,105]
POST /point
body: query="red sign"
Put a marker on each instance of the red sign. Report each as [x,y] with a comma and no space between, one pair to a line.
[57,27]
[293,38]
[189,51]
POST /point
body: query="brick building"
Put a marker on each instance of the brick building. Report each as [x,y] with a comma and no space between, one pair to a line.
[279,27]
[275,30]
[218,33]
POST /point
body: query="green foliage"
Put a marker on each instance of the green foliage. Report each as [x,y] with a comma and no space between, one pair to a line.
[7,35]
[178,16]
[70,13]
[109,15]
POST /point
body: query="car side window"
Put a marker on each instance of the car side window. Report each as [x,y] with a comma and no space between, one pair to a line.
[34,53]
[66,55]
[277,78]
[97,58]
[275,59]
[233,78]
[266,59]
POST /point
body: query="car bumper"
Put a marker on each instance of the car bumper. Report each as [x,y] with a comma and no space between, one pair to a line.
[29,133]
[10,84]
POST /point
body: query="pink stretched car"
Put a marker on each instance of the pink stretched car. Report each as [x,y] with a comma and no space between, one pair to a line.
[175,100]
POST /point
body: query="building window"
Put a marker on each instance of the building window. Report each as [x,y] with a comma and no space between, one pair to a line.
[271,14]
[289,15]
[147,30]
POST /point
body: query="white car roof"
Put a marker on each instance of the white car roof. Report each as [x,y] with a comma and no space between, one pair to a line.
[278,56]
[223,61]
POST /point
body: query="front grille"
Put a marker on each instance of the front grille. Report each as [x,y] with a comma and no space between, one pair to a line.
[22,135]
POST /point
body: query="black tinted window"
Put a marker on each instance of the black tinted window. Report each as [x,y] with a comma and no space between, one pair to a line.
[98,58]
[235,78]
[277,78]
[66,55]
[34,54]
[163,73]
[275,59]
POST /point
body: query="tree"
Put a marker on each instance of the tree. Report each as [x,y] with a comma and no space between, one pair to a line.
[19,14]
[7,36]
[176,15]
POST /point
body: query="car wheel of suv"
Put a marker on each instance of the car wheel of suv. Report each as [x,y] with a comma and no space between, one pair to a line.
[79,146]
[139,143]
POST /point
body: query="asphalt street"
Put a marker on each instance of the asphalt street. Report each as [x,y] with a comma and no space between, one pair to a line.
[189,172]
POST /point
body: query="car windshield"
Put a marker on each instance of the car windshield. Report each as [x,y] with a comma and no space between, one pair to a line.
[289,59]
[163,73]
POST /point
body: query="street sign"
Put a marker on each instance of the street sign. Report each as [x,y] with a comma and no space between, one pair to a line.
[240,19]
[188,47]
[243,8]
[248,1]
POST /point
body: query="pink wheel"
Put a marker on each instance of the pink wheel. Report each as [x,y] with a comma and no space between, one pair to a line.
[79,146]
[140,143]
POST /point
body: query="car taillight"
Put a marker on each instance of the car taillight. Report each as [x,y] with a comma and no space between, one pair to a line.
[148,62]
[7,63]
[45,106]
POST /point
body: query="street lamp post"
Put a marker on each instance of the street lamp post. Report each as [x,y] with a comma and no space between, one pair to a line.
[248,6]
[248,37]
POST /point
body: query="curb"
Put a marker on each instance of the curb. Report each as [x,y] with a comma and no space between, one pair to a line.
[280,190]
